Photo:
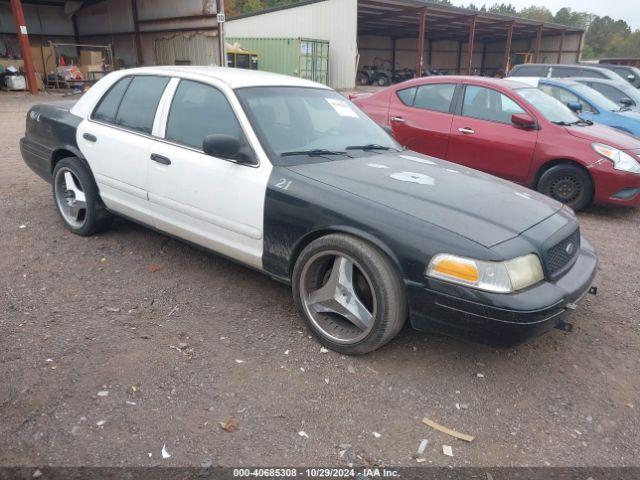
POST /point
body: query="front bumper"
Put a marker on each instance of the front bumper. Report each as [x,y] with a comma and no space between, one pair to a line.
[501,320]
[615,187]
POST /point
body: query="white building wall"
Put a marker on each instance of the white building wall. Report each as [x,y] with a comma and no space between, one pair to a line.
[332,20]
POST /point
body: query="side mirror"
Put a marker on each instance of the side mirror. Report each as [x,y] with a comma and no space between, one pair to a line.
[631,77]
[524,121]
[626,101]
[226,146]
[575,106]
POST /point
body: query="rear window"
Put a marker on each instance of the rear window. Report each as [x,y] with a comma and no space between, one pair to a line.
[108,107]
[529,71]
[437,97]
[140,102]
[407,96]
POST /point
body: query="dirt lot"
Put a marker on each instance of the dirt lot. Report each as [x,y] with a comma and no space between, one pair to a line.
[82,316]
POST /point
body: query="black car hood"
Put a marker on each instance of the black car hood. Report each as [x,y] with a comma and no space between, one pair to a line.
[481,207]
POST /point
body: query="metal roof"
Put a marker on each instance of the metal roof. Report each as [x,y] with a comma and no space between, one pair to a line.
[400,19]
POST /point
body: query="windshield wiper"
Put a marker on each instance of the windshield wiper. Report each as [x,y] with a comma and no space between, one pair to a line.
[367,148]
[577,122]
[318,152]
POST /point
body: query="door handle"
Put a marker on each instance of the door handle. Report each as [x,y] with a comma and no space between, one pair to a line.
[89,137]
[160,159]
[467,131]
[398,120]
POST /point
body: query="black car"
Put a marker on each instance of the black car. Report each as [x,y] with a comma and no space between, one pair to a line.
[290,178]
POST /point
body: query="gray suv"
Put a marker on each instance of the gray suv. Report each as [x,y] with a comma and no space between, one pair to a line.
[629,73]
[553,70]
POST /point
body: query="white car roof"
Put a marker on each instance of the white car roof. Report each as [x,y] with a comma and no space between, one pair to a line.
[533,81]
[233,77]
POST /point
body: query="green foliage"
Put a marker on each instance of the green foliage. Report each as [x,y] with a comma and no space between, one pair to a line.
[540,14]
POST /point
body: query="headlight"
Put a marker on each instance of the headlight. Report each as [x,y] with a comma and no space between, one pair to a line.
[497,277]
[621,160]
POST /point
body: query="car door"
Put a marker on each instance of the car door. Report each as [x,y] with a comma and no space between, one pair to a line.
[214,202]
[116,139]
[483,137]
[420,117]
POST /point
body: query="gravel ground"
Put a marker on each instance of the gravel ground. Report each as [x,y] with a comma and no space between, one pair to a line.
[115,345]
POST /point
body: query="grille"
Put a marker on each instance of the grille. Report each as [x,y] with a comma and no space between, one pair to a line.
[559,257]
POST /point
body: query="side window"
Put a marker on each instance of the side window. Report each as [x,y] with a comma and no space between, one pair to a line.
[588,73]
[488,104]
[407,96]
[565,96]
[199,110]
[610,92]
[623,72]
[564,72]
[437,96]
[530,71]
[108,106]
[140,102]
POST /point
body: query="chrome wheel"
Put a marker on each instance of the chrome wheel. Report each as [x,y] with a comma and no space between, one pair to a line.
[70,197]
[338,297]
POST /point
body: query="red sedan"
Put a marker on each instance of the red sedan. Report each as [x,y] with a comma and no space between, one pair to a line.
[513,131]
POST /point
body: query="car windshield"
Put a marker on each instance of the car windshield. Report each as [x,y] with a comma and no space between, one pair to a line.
[552,109]
[595,98]
[298,124]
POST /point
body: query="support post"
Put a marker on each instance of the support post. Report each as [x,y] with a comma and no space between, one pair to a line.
[507,49]
[393,54]
[23,39]
[536,56]
[221,42]
[580,47]
[561,46]
[421,38]
[459,64]
[471,43]
[136,33]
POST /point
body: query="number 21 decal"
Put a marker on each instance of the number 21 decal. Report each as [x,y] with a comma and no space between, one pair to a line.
[283,184]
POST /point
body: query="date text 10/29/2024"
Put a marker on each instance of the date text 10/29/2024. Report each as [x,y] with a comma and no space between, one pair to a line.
[286,473]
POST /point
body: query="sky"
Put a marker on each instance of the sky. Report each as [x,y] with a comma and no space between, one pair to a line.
[628,10]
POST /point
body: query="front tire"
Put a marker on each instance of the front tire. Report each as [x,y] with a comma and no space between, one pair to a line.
[77,199]
[568,184]
[349,294]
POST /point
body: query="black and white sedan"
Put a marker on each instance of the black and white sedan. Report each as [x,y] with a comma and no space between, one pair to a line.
[290,178]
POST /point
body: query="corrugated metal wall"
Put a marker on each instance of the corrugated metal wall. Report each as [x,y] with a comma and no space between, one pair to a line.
[444,54]
[197,49]
[332,20]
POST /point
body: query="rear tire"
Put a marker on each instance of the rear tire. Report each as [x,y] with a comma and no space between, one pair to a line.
[77,198]
[349,294]
[568,184]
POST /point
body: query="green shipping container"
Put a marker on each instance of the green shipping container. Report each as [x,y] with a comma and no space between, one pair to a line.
[300,57]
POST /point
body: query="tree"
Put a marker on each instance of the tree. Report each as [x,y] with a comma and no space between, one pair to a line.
[540,14]
[603,31]
[252,6]
[504,9]
[571,18]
